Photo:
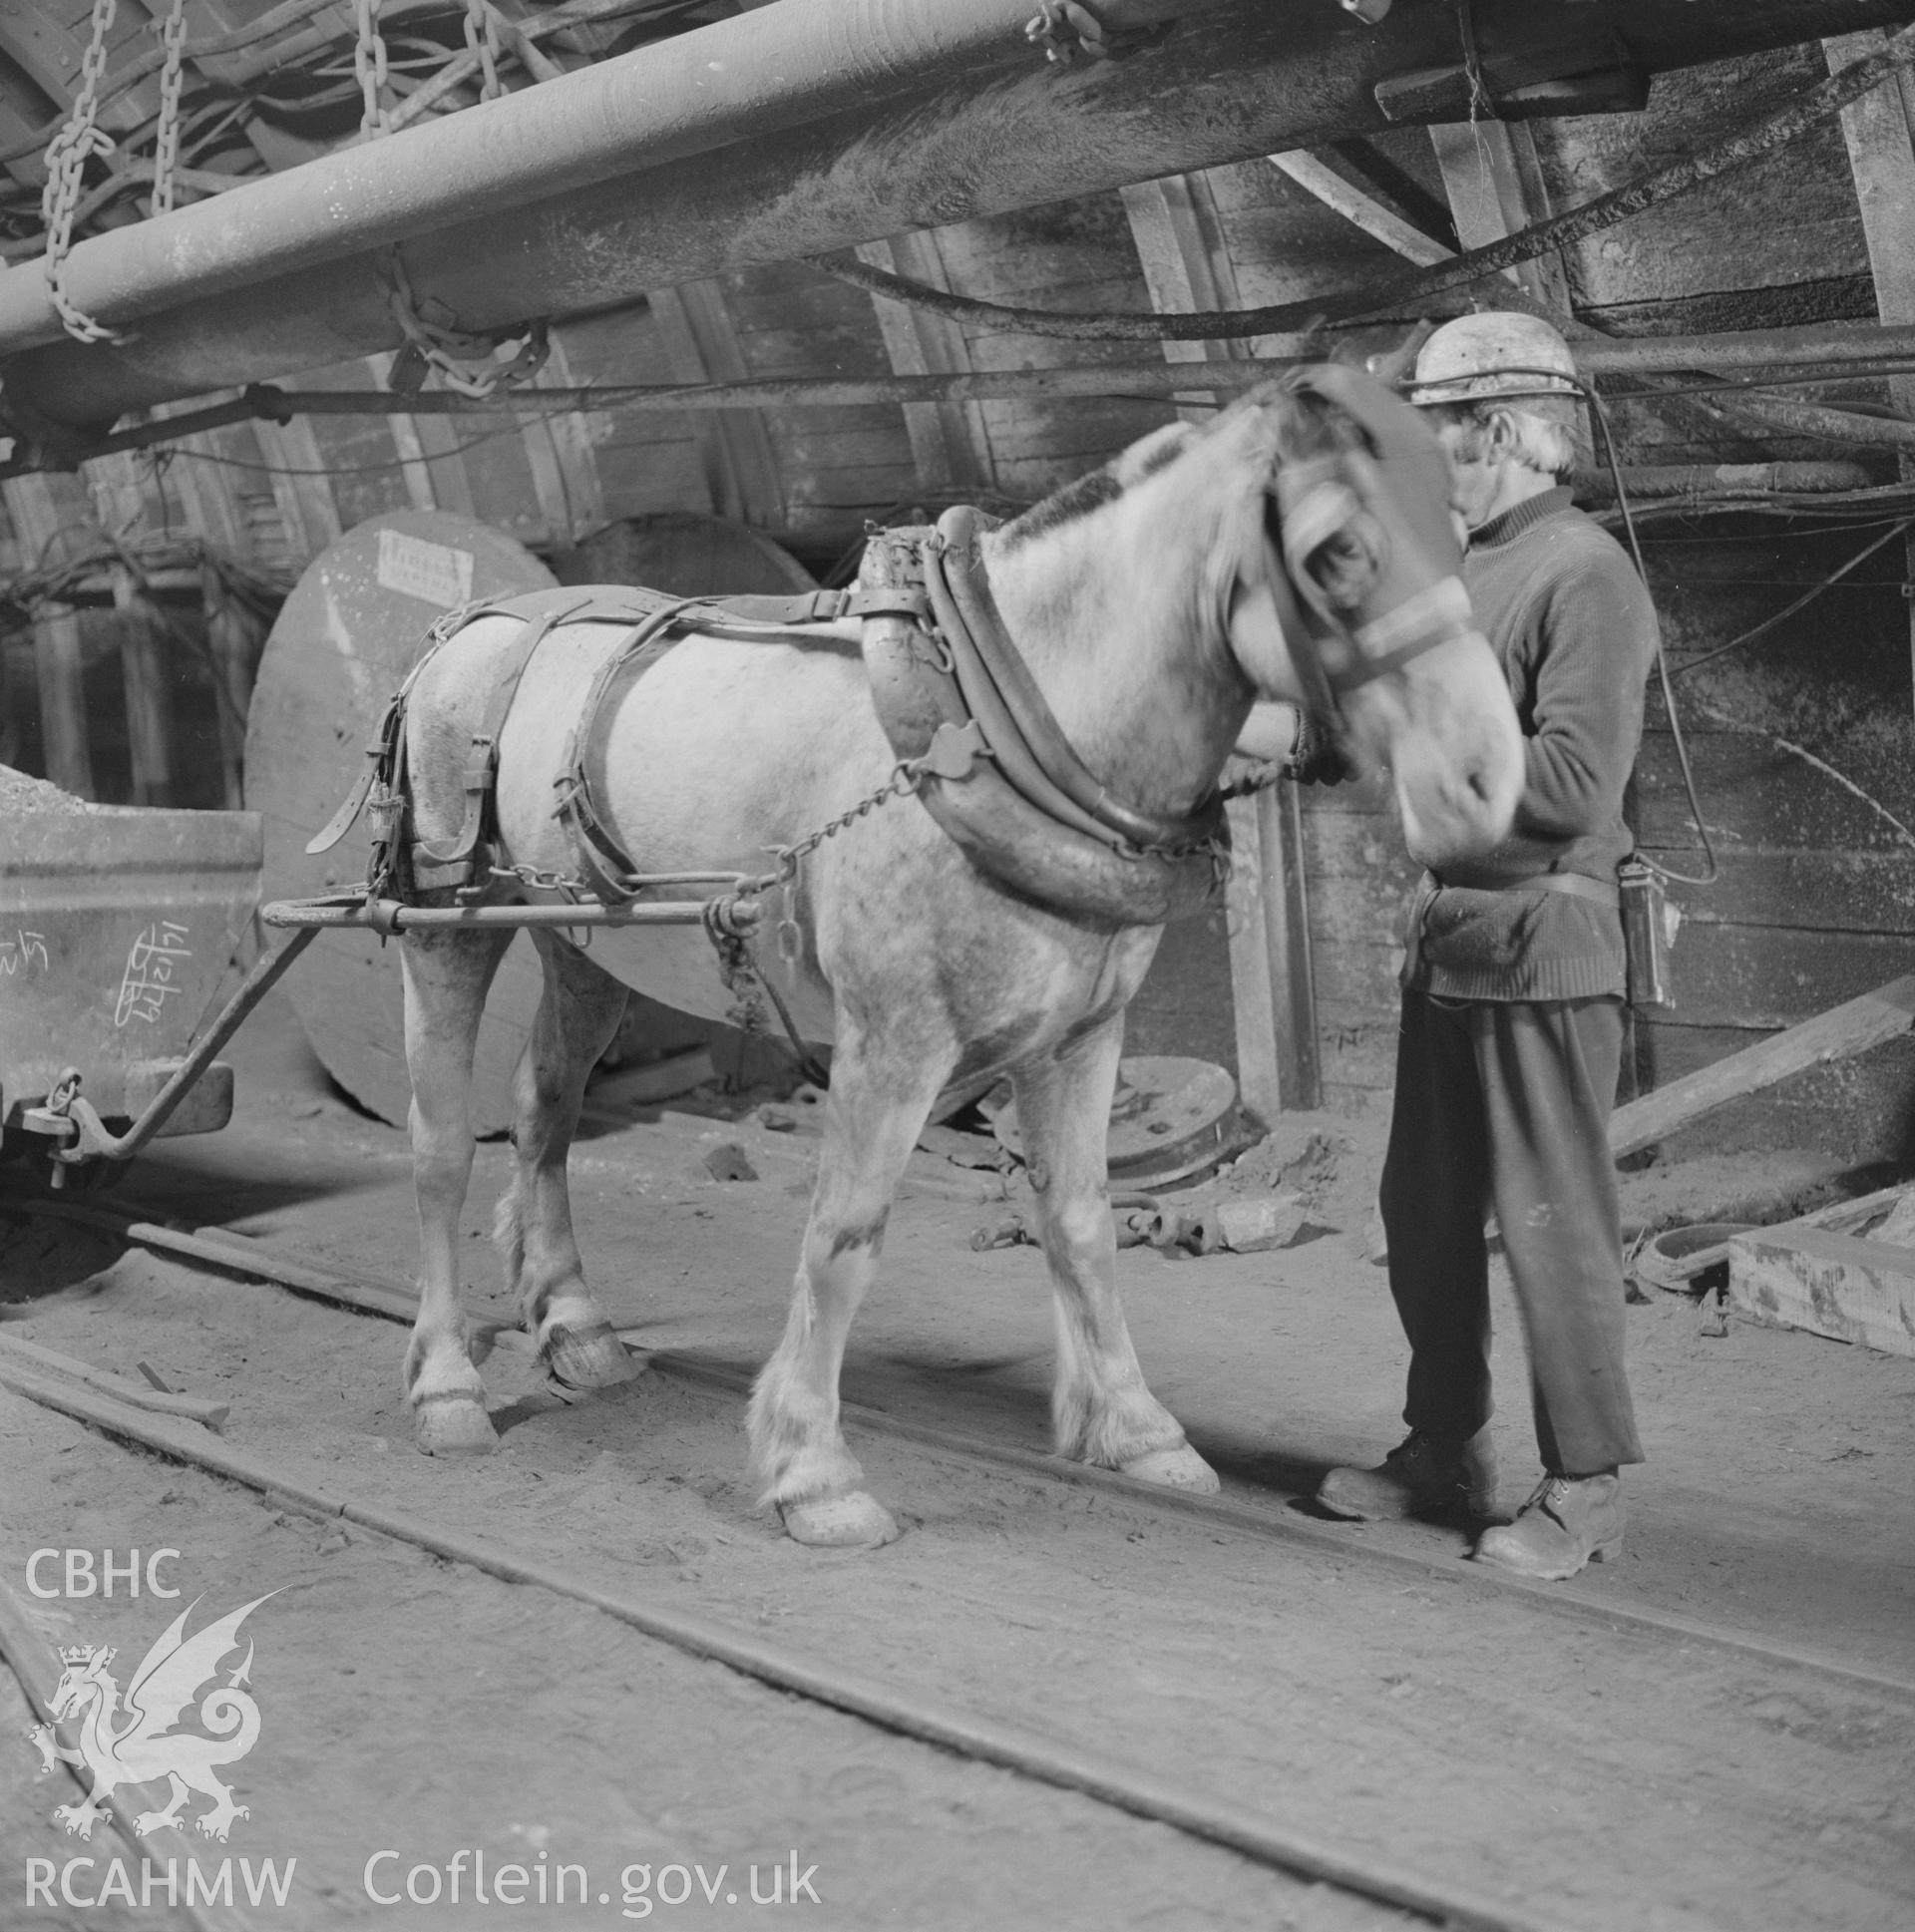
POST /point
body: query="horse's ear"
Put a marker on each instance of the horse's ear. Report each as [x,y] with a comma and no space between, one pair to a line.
[1392,366]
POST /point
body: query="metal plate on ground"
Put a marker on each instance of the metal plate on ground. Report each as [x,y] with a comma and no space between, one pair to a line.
[353,627]
[1170,1118]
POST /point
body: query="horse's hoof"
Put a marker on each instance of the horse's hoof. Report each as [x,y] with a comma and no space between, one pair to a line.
[1178,1468]
[578,1360]
[854,1522]
[453,1425]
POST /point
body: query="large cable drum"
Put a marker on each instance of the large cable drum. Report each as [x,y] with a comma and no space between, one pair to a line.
[685,552]
[355,624]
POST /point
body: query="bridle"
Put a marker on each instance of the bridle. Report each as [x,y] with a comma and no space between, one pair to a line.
[1407,477]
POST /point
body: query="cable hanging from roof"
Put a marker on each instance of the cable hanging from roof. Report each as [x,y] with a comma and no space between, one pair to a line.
[1409,293]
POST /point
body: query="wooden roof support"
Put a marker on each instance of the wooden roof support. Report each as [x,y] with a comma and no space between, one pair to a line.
[564,464]
[1187,265]
[415,472]
[950,445]
[300,489]
[1496,188]
[58,669]
[1361,210]
[1881,154]
[234,634]
[702,345]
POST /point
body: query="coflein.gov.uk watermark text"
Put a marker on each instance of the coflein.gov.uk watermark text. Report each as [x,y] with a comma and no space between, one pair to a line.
[467,1878]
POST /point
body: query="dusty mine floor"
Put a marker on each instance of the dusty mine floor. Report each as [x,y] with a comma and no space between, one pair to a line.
[1578,1772]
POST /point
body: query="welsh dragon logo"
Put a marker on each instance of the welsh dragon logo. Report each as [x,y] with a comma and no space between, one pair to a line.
[136,1741]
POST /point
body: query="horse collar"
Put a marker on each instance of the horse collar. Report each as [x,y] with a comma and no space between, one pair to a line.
[1018,727]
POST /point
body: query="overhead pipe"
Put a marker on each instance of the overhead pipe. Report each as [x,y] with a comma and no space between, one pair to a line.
[1251,77]
[741,78]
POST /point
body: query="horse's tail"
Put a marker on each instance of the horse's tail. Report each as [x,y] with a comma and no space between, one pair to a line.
[234,1717]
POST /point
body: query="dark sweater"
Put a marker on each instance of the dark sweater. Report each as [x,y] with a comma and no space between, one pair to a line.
[1563,609]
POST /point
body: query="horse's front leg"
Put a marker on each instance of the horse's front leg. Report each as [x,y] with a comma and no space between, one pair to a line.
[577,1015]
[876,1109]
[447,977]
[1102,1412]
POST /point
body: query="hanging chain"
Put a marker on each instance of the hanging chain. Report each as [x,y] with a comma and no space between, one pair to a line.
[67,156]
[434,340]
[482,43]
[165,152]
[369,64]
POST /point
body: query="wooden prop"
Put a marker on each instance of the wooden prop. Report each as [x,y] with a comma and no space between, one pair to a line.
[1846,1271]
[1837,1035]
[1795,1277]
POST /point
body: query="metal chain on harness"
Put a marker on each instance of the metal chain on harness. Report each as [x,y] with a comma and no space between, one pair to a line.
[165,152]
[67,156]
[730,936]
[482,43]
[536,879]
[369,64]
[906,779]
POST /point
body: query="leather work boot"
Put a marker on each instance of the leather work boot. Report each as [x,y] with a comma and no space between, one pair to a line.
[1421,1476]
[1569,1521]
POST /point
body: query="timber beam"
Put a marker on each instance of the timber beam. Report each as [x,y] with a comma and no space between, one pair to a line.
[823,124]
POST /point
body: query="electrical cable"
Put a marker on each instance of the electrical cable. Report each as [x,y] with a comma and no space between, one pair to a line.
[1807,598]
[1600,413]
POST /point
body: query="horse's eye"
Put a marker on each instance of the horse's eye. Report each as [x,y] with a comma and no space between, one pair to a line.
[1347,562]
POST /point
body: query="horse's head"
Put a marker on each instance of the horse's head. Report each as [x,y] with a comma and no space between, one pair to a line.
[1342,591]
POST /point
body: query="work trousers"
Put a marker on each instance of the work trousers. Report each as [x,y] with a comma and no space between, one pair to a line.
[1507,1103]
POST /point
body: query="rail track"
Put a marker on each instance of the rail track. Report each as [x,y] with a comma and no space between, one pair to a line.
[393,1301]
[1026,1754]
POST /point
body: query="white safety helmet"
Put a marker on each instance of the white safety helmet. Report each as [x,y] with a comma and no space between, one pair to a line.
[1497,353]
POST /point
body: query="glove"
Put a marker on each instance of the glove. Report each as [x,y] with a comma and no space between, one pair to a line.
[1317,757]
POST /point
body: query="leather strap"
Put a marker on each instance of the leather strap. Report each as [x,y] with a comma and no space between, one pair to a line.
[1571,884]
[435,866]
[1012,841]
[1018,722]
[379,756]
[602,858]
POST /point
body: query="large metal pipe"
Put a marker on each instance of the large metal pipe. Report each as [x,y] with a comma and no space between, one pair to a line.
[741,78]
[1239,83]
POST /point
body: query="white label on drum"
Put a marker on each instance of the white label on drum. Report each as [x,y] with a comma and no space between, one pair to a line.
[434,573]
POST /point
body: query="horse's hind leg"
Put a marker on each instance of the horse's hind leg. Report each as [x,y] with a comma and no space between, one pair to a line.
[1102,1412]
[872,1118]
[577,1016]
[447,977]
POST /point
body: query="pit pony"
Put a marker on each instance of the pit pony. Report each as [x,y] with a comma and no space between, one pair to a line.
[1044,709]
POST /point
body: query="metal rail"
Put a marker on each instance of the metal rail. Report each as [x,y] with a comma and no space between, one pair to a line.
[397,1302]
[1028,1753]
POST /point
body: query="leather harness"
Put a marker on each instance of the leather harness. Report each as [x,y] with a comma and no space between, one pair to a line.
[654,621]
[975,737]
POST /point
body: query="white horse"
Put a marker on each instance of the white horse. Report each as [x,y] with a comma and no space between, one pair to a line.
[1141,600]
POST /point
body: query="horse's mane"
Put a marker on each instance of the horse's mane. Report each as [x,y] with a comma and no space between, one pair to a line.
[1107,482]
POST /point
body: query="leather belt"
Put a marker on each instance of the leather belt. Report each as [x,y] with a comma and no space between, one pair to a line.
[1572,885]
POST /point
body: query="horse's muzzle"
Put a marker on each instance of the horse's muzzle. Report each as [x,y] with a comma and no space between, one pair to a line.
[1457,754]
